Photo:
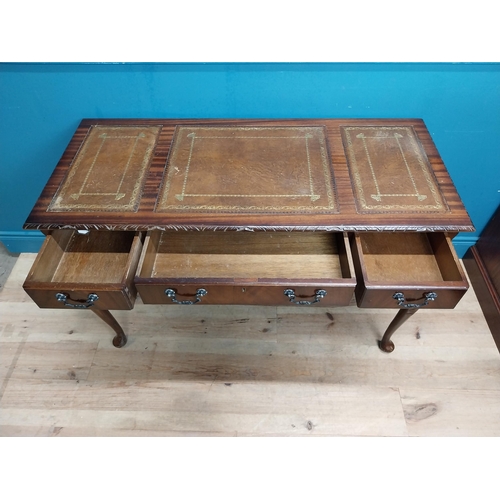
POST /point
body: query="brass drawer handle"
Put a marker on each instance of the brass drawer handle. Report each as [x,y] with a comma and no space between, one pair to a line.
[318,295]
[63,297]
[400,297]
[201,292]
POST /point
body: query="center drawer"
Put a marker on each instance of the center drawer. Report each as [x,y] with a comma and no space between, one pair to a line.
[233,267]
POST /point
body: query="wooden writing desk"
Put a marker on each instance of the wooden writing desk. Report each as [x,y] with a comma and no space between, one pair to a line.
[268,212]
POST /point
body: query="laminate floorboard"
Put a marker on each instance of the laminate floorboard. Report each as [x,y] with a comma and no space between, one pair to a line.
[244,371]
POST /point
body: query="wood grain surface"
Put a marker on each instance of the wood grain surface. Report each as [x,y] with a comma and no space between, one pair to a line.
[234,255]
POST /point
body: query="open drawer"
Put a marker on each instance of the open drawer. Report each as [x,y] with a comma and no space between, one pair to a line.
[407,270]
[85,270]
[240,267]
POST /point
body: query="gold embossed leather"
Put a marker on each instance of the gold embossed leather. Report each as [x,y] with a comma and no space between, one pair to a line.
[390,171]
[248,169]
[108,172]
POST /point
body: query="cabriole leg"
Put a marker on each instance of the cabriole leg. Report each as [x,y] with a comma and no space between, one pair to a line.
[120,338]
[403,315]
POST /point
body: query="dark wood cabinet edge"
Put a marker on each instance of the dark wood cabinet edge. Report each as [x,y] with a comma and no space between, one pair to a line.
[487,295]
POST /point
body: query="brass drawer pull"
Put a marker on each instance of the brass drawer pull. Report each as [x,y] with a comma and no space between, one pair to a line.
[201,292]
[63,297]
[428,297]
[318,295]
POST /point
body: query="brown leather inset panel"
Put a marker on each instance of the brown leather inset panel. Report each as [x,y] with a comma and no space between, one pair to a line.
[248,169]
[390,171]
[108,171]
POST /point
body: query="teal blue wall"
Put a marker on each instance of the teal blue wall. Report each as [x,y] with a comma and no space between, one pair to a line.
[42,104]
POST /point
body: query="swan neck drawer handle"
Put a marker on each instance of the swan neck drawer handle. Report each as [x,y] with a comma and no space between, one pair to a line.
[201,292]
[318,295]
[91,298]
[400,297]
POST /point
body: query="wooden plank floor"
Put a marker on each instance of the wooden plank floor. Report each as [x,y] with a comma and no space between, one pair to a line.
[7,261]
[244,371]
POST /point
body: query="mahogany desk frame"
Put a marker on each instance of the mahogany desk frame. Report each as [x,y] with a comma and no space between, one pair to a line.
[342,214]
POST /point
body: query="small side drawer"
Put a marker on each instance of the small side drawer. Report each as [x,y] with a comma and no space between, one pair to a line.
[254,268]
[95,270]
[407,270]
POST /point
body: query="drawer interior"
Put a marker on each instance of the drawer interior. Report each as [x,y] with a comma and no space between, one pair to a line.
[95,257]
[409,257]
[246,255]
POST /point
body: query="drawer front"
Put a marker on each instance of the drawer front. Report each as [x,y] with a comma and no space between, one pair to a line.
[272,295]
[291,295]
[185,294]
[77,298]
[407,271]
[74,271]
[432,297]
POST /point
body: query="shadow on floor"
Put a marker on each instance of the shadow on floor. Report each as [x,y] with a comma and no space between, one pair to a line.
[7,261]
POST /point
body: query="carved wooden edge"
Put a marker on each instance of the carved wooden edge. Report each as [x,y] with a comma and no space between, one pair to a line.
[204,227]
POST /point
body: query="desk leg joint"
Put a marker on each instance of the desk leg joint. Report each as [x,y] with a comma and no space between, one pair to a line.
[120,338]
[403,315]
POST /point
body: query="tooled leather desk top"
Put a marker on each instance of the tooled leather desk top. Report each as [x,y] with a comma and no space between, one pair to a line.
[251,174]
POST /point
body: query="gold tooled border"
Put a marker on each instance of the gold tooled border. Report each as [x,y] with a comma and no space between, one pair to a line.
[133,204]
[326,167]
[362,206]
